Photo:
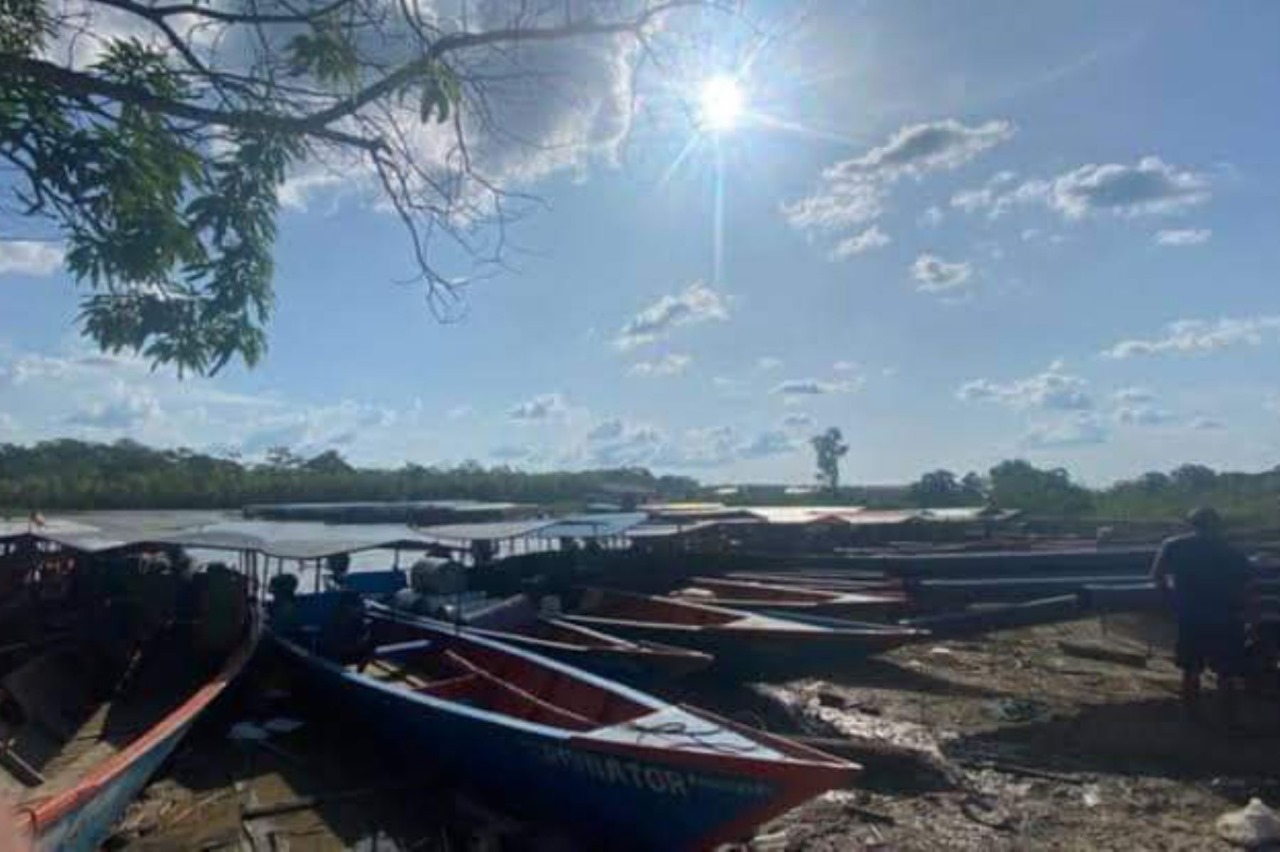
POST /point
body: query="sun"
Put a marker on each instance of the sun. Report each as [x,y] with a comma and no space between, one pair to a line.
[720,104]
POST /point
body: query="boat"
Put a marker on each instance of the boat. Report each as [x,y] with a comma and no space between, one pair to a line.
[976,621]
[516,621]
[826,581]
[575,645]
[753,644]
[756,596]
[566,747]
[113,684]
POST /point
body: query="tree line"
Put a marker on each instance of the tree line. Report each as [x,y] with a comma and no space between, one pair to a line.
[70,474]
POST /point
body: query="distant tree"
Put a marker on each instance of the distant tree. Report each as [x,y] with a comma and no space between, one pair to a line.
[936,488]
[828,449]
[330,461]
[1193,477]
[154,136]
[974,487]
[282,458]
[1018,484]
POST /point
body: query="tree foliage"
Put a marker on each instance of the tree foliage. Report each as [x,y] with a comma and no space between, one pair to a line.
[67,474]
[940,488]
[828,449]
[154,136]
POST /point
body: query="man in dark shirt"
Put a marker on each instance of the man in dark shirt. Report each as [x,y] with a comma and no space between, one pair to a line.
[1209,595]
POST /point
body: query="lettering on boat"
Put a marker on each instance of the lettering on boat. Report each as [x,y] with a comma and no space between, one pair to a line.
[656,779]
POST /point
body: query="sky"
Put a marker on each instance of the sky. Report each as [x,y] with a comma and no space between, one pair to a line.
[960,233]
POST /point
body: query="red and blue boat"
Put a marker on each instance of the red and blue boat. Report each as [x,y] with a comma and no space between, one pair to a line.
[558,744]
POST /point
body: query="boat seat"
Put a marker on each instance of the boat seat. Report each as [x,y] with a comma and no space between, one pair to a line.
[397,650]
[454,688]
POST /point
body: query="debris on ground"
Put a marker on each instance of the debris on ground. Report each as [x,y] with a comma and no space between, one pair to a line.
[1253,827]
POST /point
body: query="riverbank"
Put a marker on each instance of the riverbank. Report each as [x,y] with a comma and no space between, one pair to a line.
[1012,741]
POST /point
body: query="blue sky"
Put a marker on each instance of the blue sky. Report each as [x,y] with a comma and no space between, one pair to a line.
[960,233]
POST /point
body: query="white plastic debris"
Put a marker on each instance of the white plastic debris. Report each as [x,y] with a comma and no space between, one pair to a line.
[282,725]
[1253,826]
[1092,795]
[247,732]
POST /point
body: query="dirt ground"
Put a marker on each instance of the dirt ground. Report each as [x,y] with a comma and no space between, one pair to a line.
[1024,746]
[1004,742]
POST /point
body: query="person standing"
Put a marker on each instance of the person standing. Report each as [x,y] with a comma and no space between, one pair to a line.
[1206,581]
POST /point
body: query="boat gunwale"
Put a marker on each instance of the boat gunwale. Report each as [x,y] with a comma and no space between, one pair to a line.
[46,811]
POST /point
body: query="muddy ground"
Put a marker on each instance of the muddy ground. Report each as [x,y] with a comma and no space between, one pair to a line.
[1005,742]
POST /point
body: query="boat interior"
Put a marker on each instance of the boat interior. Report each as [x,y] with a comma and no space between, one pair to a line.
[604,603]
[436,663]
[739,590]
[96,651]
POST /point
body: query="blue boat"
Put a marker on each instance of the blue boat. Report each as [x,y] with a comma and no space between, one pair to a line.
[558,744]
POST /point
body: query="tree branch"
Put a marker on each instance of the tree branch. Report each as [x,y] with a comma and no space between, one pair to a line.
[87,85]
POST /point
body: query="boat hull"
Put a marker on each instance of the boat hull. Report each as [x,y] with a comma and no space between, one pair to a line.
[615,663]
[597,788]
[80,819]
[748,652]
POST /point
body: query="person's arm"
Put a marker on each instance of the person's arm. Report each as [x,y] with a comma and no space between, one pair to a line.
[1160,573]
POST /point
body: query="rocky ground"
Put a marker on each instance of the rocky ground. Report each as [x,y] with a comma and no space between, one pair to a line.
[1012,741]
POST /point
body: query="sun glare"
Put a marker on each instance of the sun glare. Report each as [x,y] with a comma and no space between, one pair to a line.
[720,104]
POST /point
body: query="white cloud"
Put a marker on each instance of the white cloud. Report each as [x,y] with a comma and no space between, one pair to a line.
[29,257]
[812,387]
[125,408]
[768,362]
[1206,424]
[458,412]
[770,443]
[698,303]
[936,275]
[607,430]
[1197,335]
[918,149]
[543,407]
[667,365]
[1151,187]
[845,367]
[1181,237]
[1082,429]
[1052,390]
[867,240]
[797,420]
[840,203]
[1133,396]
[1144,415]
[931,217]
[853,192]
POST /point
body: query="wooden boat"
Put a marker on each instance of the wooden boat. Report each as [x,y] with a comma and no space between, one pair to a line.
[756,596]
[826,581]
[562,745]
[517,622]
[83,728]
[592,650]
[743,643]
[988,619]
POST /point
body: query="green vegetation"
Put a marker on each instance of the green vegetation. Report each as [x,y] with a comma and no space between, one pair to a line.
[153,139]
[828,449]
[67,474]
